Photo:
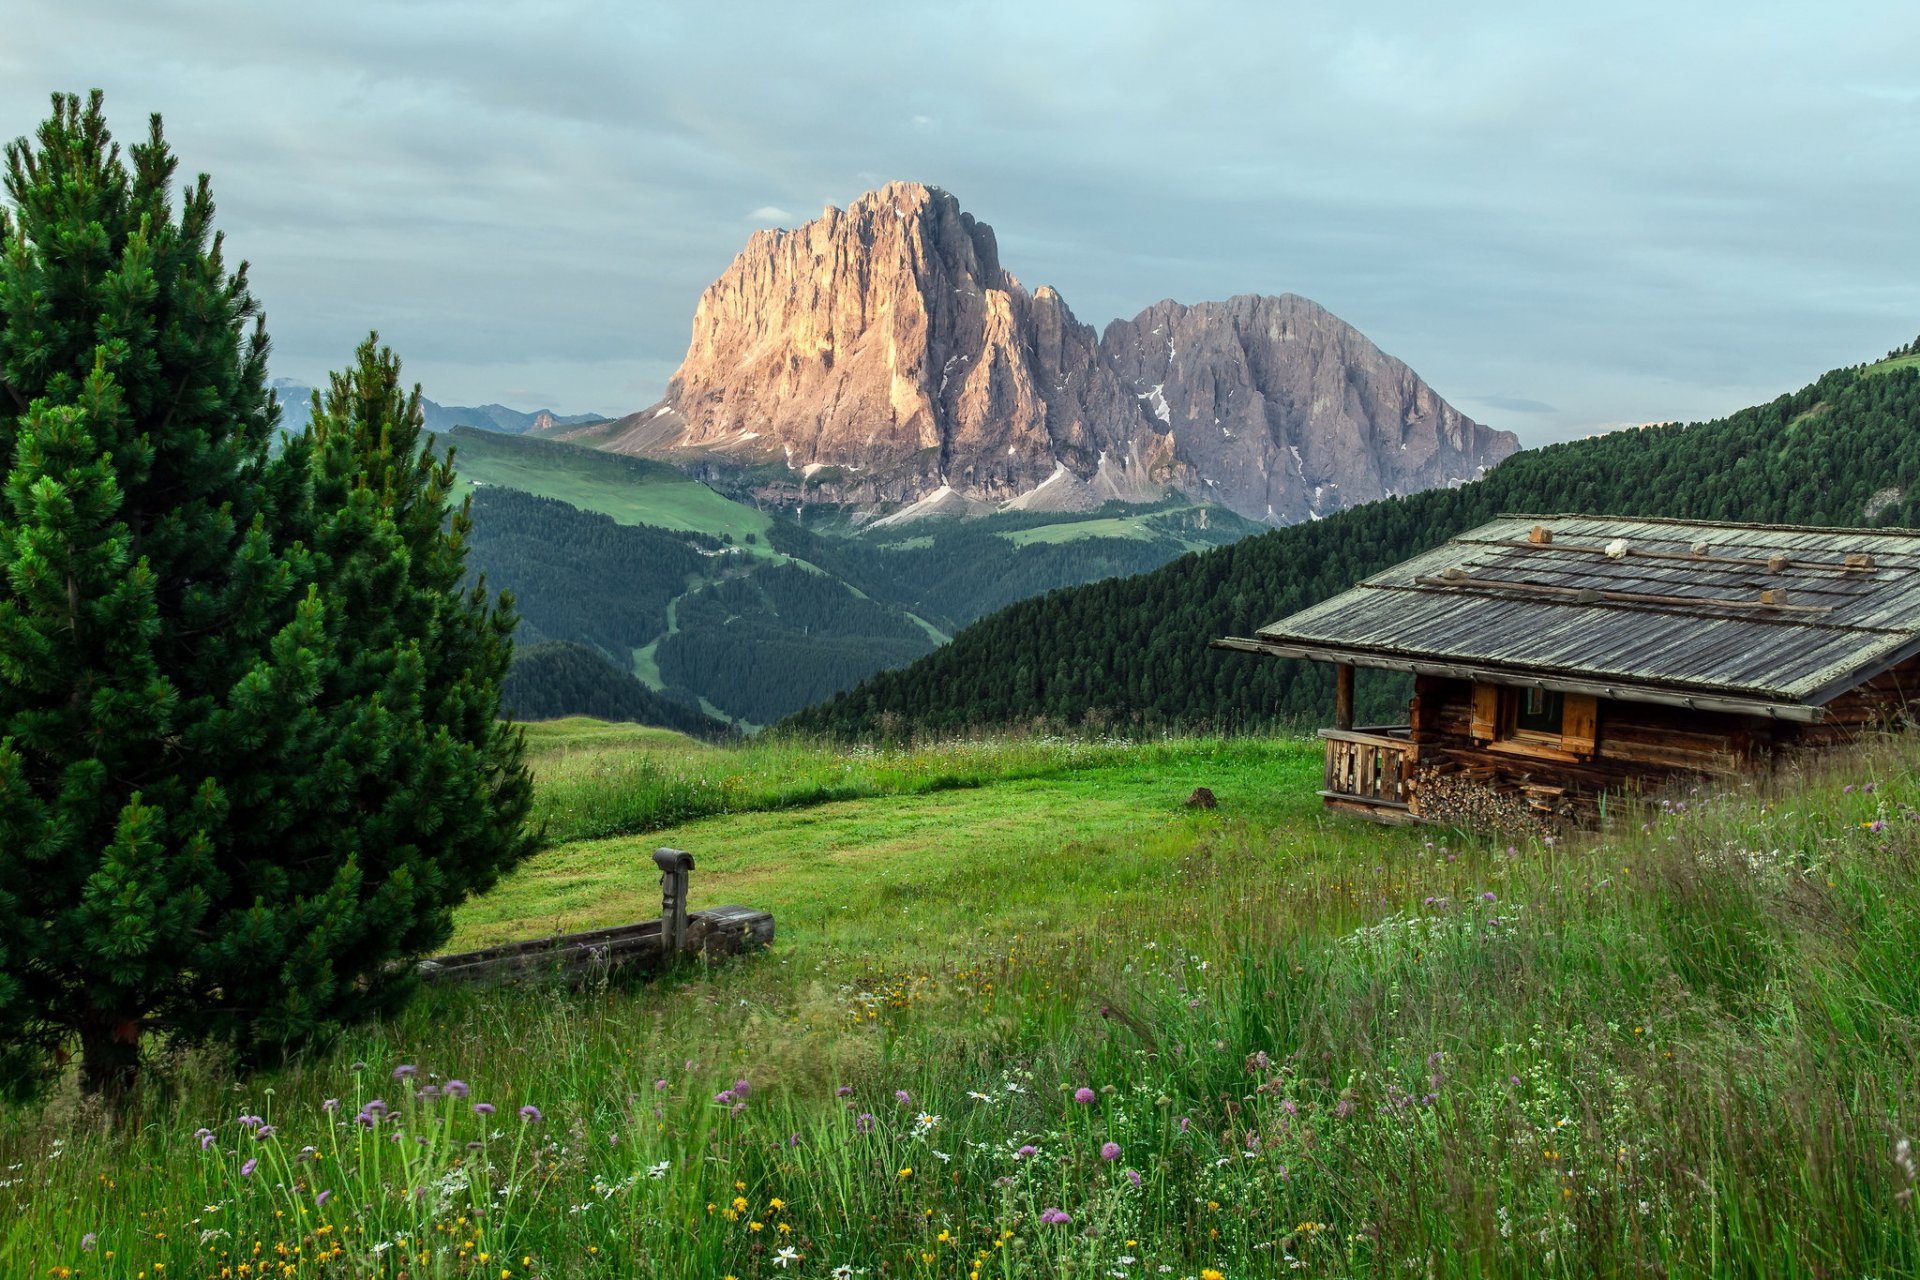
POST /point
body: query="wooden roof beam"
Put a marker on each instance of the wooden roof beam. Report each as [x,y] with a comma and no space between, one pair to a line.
[1459,578]
[1621,691]
[1854,563]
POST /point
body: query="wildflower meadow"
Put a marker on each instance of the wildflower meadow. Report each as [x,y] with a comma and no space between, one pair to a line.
[1249,1043]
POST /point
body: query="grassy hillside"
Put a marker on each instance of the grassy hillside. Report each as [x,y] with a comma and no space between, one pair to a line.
[747,616]
[555,679]
[1843,451]
[1029,1016]
[632,491]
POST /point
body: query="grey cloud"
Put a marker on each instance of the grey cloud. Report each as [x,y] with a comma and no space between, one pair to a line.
[1515,404]
[1632,213]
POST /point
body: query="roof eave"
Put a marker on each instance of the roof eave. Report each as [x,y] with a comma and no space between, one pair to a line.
[1623,691]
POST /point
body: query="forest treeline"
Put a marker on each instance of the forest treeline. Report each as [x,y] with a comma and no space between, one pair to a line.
[578,575]
[1842,451]
[951,572]
[758,637]
[781,637]
[556,678]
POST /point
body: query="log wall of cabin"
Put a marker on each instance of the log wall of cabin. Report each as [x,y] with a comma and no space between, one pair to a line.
[1638,745]
[1883,702]
[1641,745]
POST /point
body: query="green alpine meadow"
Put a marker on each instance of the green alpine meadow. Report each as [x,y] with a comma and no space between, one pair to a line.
[1244,1041]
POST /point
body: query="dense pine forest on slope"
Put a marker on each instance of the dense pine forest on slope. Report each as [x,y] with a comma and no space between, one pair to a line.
[556,678]
[746,613]
[954,571]
[1843,451]
[576,575]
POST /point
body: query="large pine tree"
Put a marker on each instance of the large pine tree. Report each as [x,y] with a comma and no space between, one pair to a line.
[230,717]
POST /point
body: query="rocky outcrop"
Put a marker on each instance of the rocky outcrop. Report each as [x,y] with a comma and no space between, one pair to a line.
[882,356]
[1283,412]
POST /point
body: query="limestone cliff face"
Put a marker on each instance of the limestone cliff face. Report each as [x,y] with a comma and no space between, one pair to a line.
[1286,412]
[883,354]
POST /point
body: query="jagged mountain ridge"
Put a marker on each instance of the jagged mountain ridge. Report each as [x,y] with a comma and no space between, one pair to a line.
[883,356]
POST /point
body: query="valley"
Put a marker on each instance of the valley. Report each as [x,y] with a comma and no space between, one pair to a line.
[745,615]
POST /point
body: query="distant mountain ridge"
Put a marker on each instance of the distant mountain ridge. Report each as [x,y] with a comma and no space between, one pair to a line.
[882,356]
[296,404]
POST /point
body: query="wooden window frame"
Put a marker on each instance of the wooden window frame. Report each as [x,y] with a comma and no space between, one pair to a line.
[1496,709]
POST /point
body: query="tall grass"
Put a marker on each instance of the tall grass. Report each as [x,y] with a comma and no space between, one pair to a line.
[1686,1045]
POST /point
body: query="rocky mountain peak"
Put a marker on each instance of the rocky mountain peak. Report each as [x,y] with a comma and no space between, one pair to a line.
[883,354]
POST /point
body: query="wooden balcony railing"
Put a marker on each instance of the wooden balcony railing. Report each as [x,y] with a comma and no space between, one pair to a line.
[1370,767]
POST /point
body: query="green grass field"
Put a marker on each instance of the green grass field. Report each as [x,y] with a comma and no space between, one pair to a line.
[1898,362]
[629,490]
[1108,527]
[1029,1016]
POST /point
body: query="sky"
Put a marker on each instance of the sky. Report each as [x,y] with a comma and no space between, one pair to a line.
[1565,218]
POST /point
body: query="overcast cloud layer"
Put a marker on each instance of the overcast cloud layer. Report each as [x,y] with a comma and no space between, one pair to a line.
[1565,219]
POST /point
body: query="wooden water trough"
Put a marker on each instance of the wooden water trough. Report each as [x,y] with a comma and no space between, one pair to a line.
[643,947]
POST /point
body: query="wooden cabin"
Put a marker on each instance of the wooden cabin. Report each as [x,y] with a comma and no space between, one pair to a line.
[1558,660]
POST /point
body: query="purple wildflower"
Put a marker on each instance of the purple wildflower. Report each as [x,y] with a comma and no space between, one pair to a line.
[375,1108]
[402,1072]
[264,1131]
[1084,1095]
[330,1105]
[531,1113]
[320,1200]
[1133,1176]
[246,1170]
[88,1241]
[483,1108]
[456,1089]
[1026,1152]
[736,1108]
[864,1122]
[741,1088]
[1109,1151]
[1488,896]
[1344,1109]
[1055,1217]
[904,1098]
[659,1086]
[1185,1123]
[843,1091]
[723,1097]
[1847,790]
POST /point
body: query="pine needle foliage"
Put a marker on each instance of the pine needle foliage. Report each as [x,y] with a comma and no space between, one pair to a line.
[218,677]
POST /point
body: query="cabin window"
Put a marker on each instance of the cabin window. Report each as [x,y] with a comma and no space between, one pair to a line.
[1539,713]
[1523,720]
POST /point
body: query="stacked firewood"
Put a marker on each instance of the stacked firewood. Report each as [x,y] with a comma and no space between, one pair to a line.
[1474,798]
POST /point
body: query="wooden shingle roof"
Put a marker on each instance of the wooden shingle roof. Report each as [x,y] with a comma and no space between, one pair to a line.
[1764,619]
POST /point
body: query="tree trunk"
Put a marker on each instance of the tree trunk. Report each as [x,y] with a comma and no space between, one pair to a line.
[109,1054]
